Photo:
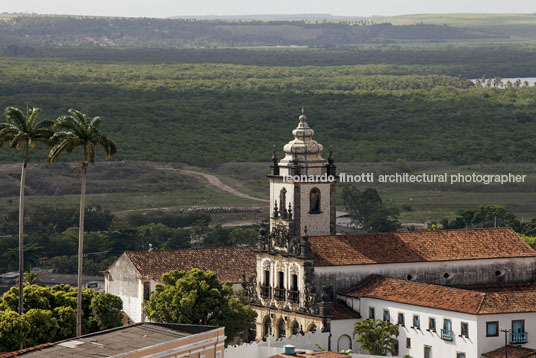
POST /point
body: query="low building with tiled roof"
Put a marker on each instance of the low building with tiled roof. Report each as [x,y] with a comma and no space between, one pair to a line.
[511,352]
[449,320]
[134,274]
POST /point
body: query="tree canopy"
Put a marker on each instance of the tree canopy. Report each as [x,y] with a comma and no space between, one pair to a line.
[378,337]
[197,297]
[367,210]
[50,315]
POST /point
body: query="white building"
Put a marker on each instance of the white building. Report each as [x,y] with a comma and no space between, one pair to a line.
[443,322]
[134,274]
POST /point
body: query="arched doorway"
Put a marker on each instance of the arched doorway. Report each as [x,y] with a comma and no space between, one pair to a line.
[281,331]
[295,328]
[344,343]
[267,327]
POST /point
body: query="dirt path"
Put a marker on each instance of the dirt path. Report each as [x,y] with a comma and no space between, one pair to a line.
[215,181]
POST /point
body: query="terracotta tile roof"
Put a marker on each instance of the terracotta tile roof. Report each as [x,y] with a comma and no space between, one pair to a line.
[418,246]
[513,352]
[339,310]
[313,355]
[229,263]
[446,298]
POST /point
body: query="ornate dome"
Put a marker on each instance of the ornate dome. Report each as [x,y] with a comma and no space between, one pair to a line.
[303,148]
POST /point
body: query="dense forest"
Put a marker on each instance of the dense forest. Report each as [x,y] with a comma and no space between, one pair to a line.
[204,114]
[146,32]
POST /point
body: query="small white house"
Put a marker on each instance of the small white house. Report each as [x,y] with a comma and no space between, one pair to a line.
[447,322]
[134,274]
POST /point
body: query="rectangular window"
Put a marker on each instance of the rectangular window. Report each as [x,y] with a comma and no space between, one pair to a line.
[460,355]
[396,349]
[416,322]
[465,329]
[408,342]
[401,319]
[427,352]
[447,325]
[218,354]
[492,329]
[386,316]
[146,290]
[431,324]
[281,279]
[371,313]
[518,326]
[294,282]
[266,277]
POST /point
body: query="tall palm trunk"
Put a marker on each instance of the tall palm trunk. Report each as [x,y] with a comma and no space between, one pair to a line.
[81,251]
[21,234]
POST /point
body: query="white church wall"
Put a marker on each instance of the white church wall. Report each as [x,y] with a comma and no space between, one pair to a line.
[263,349]
[460,272]
[122,280]
[317,224]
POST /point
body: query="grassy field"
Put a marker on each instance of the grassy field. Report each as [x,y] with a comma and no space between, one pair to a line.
[518,26]
[139,186]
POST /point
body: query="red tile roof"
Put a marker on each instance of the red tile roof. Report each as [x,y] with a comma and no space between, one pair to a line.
[446,298]
[513,352]
[339,310]
[229,263]
[418,246]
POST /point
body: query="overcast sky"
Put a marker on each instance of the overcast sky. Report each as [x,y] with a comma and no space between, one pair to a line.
[167,8]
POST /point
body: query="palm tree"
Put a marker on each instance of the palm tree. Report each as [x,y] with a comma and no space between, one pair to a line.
[23,131]
[32,278]
[79,130]
[376,336]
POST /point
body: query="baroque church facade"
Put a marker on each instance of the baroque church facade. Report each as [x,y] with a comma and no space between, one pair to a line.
[448,290]
[304,270]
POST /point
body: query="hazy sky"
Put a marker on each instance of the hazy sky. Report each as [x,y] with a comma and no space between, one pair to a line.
[166,8]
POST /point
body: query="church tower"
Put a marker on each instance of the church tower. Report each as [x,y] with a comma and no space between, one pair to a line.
[302,186]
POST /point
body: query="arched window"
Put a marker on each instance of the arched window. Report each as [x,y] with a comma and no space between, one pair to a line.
[312,328]
[314,200]
[295,328]
[344,343]
[267,326]
[283,199]
[281,333]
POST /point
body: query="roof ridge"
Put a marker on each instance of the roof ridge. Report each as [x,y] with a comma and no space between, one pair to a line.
[506,228]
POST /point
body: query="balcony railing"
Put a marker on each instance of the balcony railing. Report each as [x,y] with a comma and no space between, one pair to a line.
[294,296]
[447,335]
[266,292]
[280,294]
[518,338]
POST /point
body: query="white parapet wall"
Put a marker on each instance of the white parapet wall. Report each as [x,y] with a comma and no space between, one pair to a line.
[308,342]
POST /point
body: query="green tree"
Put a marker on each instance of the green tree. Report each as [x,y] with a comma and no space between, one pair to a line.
[106,310]
[241,236]
[378,337]
[367,210]
[43,327]
[66,317]
[23,131]
[197,297]
[13,329]
[79,130]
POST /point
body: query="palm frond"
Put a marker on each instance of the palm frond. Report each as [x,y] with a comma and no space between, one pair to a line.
[16,116]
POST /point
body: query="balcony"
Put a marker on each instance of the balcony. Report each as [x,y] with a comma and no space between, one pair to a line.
[294,296]
[518,338]
[447,335]
[266,292]
[280,294]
